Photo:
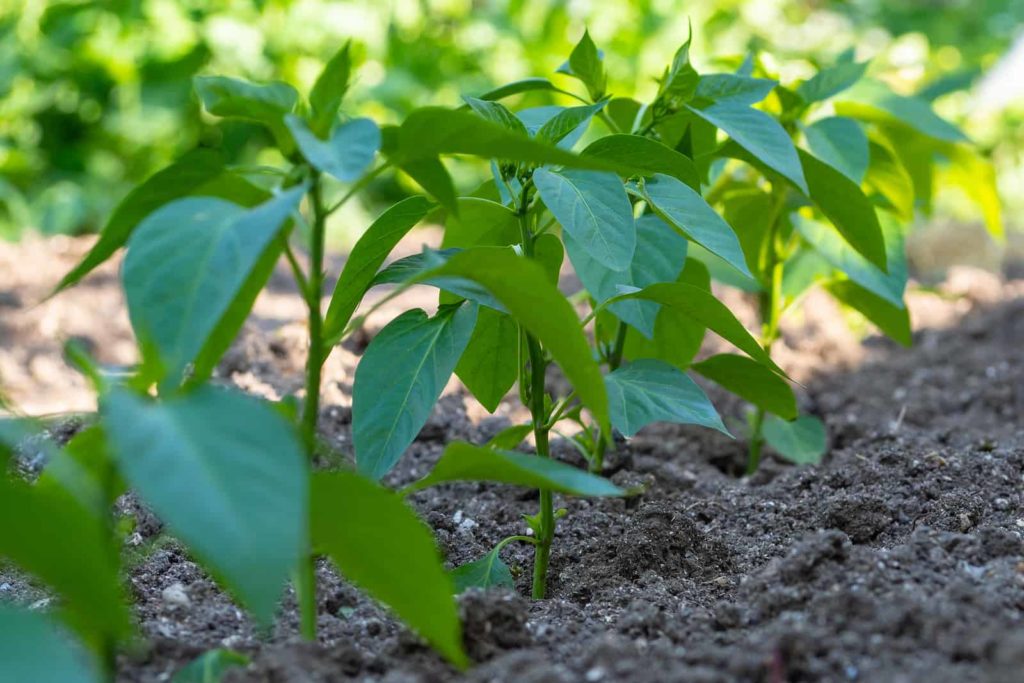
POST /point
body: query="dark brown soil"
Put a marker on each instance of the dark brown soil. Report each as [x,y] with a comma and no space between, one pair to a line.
[900,558]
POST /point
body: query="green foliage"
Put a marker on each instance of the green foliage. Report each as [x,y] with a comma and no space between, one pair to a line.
[34,649]
[210,666]
[487,572]
[649,390]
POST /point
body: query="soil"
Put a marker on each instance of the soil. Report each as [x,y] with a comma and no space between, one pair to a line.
[899,558]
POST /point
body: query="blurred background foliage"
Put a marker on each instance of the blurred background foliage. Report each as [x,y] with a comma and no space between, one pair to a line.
[96,95]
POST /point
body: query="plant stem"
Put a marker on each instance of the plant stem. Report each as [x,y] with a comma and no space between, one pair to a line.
[614,361]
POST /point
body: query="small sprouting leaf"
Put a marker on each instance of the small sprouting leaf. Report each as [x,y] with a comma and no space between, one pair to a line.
[585,63]
[496,112]
[329,89]
[235,98]
[759,134]
[481,223]
[210,666]
[841,143]
[649,390]
[831,81]
[486,572]
[434,178]
[679,83]
[227,474]
[685,210]
[660,255]
[872,100]
[568,120]
[751,381]
[741,90]
[389,553]
[33,649]
[593,208]
[348,152]
[510,437]
[489,366]
[802,441]
[364,260]
[536,118]
[465,462]
[892,320]
[400,377]
[187,262]
[649,156]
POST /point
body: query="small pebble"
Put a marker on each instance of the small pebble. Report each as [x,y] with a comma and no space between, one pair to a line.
[595,674]
[175,596]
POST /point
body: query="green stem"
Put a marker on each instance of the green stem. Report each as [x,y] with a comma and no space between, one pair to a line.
[305,594]
[359,186]
[614,361]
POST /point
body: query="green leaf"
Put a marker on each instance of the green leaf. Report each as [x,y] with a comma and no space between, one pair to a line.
[844,203]
[483,223]
[549,253]
[510,437]
[465,462]
[741,90]
[187,262]
[649,156]
[887,176]
[211,666]
[34,650]
[892,320]
[329,89]
[487,572]
[489,366]
[49,534]
[836,251]
[680,81]
[831,81]
[750,381]
[526,291]
[568,120]
[348,152]
[366,257]
[180,179]
[802,441]
[238,99]
[759,134]
[593,208]
[841,143]
[518,87]
[227,474]
[379,544]
[874,101]
[495,112]
[977,176]
[433,177]
[399,378]
[585,63]
[623,111]
[649,390]
[677,337]
[660,256]
[685,210]
[749,211]
[85,469]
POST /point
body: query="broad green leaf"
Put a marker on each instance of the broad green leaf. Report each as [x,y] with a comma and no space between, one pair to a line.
[433,177]
[751,381]
[34,650]
[624,111]
[649,390]
[759,134]
[741,90]
[490,364]
[210,666]
[264,104]
[828,243]
[585,63]
[85,469]
[685,210]
[892,320]
[872,100]
[187,262]
[701,306]
[485,572]
[844,203]
[549,253]
[348,152]
[419,269]
[841,143]
[465,462]
[518,87]
[380,545]
[568,120]
[593,209]
[227,474]
[677,336]
[481,222]
[802,441]
[495,112]
[831,81]
[749,211]
[887,176]
[526,291]
[180,179]
[399,379]
[536,118]
[977,177]
[660,255]
[649,156]
[50,535]
[510,437]
[329,89]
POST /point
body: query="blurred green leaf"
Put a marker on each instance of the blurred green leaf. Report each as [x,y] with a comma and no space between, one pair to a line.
[841,143]
[346,155]
[751,381]
[329,90]
[34,649]
[210,666]
[264,104]
[486,572]
[892,320]
[802,441]
[490,364]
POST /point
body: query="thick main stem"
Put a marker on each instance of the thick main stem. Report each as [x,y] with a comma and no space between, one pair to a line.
[305,577]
